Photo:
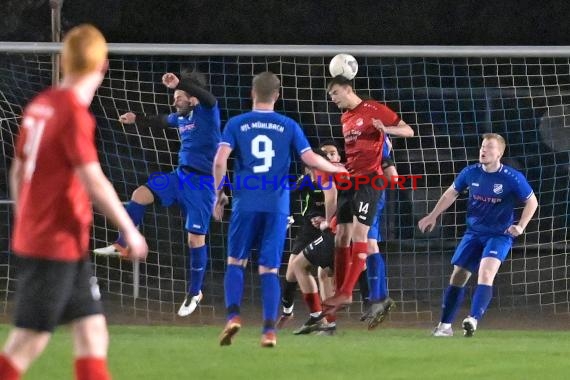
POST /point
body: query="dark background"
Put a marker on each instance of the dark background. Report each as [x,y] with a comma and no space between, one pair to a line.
[390,22]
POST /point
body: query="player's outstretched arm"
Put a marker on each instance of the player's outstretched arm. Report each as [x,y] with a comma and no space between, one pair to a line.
[330,193]
[106,200]
[314,161]
[158,121]
[205,97]
[528,211]
[219,170]
[429,221]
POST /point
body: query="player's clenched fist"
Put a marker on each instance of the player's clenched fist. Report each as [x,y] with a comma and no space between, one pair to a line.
[170,80]
[128,118]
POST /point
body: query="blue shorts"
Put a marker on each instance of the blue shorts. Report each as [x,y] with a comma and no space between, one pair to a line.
[374,232]
[263,230]
[194,198]
[474,247]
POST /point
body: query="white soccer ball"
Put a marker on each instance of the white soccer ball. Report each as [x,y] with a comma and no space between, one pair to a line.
[345,65]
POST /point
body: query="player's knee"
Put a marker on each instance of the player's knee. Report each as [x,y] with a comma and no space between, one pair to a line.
[195,241]
[323,274]
[24,346]
[91,337]
[237,262]
[372,246]
[291,274]
[360,232]
[459,277]
[264,270]
[486,276]
[342,239]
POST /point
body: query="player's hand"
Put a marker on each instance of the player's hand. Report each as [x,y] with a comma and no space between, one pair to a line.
[221,202]
[316,221]
[515,230]
[170,80]
[138,249]
[128,118]
[324,225]
[377,123]
[427,223]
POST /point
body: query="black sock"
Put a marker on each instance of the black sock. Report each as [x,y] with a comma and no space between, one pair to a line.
[363,285]
[289,289]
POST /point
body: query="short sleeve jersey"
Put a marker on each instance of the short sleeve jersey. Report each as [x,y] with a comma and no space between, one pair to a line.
[492,197]
[54,214]
[262,142]
[363,142]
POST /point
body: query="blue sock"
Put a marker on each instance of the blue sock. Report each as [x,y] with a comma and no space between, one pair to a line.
[233,289]
[198,260]
[383,292]
[372,264]
[270,294]
[481,299]
[452,300]
[136,212]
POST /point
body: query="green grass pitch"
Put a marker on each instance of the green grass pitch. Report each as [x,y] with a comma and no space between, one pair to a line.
[164,353]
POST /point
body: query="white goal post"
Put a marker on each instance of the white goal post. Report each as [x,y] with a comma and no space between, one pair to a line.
[450,95]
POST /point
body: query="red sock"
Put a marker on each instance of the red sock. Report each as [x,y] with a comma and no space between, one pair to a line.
[342,261]
[331,318]
[7,369]
[313,301]
[358,263]
[89,368]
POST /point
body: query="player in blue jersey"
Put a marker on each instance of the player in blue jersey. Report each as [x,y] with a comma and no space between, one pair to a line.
[380,303]
[197,119]
[262,141]
[494,190]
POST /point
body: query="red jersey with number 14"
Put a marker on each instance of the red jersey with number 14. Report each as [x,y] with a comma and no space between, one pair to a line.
[54,214]
[362,141]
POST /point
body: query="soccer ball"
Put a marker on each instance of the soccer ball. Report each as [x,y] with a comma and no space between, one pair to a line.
[345,65]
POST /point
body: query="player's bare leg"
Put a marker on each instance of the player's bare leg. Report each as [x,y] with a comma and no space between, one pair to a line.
[23,346]
[90,345]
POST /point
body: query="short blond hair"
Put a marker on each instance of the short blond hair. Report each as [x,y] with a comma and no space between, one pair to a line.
[84,50]
[498,138]
[266,85]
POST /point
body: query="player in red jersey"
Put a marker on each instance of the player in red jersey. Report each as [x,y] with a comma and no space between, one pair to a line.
[364,125]
[54,177]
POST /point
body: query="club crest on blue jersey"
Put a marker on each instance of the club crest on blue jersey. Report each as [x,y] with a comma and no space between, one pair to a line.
[498,188]
[186,127]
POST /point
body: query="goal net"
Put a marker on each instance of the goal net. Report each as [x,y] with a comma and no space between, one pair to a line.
[449,102]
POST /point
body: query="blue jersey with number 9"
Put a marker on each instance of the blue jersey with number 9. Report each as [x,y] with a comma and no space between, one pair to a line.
[263,142]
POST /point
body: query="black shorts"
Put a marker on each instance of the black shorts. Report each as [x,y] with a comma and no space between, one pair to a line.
[359,202]
[50,293]
[320,252]
[307,233]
